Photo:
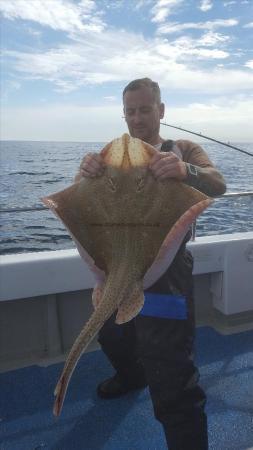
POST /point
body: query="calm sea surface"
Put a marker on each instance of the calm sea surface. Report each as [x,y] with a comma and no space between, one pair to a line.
[31,170]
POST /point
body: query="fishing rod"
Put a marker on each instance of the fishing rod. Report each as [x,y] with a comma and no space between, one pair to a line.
[209,138]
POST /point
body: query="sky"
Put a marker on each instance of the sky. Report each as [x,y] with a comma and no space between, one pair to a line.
[66,62]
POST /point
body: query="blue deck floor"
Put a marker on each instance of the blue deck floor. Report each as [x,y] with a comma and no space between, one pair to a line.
[88,423]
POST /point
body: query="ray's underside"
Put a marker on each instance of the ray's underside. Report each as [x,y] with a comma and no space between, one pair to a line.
[128,227]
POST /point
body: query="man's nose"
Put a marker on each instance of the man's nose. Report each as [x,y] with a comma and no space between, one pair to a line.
[137,116]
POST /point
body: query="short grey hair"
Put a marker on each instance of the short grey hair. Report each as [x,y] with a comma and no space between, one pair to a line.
[144,82]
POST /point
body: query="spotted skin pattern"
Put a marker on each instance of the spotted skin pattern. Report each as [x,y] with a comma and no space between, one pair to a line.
[128,227]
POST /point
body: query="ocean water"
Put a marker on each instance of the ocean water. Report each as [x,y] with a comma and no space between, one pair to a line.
[31,170]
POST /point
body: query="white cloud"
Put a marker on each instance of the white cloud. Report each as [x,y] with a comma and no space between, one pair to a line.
[162,9]
[174,27]
[229,3]
[33,32]
[182,65]
[56,14]
[249,64]
[73,66]
[205,5]
[184,48]
[60,66]
[140,4]
[110,98]
[223,119]
[210,38]
[63,122]
[8,87]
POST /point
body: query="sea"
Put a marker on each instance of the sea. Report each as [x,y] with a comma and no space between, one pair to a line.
[32,170]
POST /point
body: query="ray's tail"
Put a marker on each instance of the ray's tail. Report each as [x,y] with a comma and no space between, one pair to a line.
[91,328]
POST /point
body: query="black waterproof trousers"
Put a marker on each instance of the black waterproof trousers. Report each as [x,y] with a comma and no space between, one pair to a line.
[157,346]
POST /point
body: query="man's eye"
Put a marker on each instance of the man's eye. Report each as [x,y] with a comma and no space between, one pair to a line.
[129,112]
[145,110]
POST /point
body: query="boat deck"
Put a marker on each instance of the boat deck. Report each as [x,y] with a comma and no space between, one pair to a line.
[89,423]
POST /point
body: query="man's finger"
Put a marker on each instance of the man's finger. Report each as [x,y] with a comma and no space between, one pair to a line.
[161,157]
[162,162]
[161,171]
[90,172]
[157,157]
[92,159]
[92,163]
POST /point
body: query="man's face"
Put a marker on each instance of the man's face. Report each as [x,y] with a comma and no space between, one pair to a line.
[143,114]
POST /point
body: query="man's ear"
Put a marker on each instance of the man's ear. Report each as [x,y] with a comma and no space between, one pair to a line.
[162,110]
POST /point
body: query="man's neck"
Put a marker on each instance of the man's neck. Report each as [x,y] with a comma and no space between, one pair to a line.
[157,141]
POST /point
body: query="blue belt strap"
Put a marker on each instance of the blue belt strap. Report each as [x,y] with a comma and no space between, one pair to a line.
[165,306]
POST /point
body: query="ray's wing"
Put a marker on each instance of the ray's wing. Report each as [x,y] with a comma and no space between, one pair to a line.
[195,204]
[82,209]
[70,207]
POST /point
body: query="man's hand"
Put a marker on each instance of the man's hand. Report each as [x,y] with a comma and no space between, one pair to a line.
[168,165]
[92,165]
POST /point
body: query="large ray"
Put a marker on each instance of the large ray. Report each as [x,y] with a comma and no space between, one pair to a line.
[128,227]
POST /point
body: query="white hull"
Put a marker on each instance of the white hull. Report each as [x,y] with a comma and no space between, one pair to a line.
[45,297]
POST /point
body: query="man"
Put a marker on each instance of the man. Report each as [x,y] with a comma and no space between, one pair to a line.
[157,349]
